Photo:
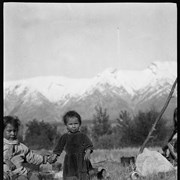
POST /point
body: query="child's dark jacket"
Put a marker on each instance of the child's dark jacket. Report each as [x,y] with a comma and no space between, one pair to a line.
[75,145]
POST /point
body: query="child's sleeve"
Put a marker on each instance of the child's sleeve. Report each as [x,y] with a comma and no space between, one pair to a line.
[31,157]
[60,145]
[87,143]
[7,152]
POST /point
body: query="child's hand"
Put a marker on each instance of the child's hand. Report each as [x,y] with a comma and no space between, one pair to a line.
[52,158]
[87,155]
[10,165]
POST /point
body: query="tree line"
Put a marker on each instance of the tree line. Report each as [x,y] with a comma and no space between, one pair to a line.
[128,131]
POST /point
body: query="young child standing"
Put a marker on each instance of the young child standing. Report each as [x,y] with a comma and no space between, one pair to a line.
[15,153]
[77,147]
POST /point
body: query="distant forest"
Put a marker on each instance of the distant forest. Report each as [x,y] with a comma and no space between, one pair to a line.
[125,131]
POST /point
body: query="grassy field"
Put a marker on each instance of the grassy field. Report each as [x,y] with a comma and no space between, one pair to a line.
[110,160]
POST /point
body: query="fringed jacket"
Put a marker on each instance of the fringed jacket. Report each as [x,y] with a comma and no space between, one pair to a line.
[18,153]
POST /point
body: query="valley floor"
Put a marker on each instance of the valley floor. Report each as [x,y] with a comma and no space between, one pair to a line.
[110,160]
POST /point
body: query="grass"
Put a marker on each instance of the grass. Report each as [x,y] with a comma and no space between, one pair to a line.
[110,160]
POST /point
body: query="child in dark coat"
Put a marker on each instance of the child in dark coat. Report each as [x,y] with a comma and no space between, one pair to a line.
[77,147]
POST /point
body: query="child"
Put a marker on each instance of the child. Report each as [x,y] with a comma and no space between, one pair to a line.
[171,146]
[77,147]
[15,153]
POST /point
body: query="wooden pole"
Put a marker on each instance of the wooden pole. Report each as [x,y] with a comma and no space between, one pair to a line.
[159,117]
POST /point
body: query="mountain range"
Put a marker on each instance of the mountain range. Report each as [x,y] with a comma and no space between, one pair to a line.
[49,97]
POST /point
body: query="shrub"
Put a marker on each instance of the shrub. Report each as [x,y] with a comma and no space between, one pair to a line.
[134,131]
[40,135]
[101,124]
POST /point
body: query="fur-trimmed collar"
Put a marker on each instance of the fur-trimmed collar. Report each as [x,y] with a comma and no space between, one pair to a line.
[10,141]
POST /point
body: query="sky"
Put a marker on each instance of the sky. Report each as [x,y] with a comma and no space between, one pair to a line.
[80,40]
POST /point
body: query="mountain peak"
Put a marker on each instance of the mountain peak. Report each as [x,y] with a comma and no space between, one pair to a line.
[49,97]
[164,66]
[108,72]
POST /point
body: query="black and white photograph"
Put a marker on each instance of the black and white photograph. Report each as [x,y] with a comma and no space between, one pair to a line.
[90,91]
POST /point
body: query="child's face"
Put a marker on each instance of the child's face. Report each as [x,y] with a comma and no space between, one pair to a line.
[72,124]
[10,132]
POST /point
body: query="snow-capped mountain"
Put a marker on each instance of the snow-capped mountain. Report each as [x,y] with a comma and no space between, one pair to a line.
[49,97]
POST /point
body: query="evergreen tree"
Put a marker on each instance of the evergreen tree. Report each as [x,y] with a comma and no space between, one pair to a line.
[125,124]
[101,125]
[40,134]
[134,131]
[143,124]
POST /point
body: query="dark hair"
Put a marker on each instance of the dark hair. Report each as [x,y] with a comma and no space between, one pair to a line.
[175,117]
[70,114]
[13,120]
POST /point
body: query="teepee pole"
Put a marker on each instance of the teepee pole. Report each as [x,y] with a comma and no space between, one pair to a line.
[159,117]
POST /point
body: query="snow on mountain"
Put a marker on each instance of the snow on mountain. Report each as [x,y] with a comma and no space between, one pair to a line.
[54,88]
[133,81]
[130,88]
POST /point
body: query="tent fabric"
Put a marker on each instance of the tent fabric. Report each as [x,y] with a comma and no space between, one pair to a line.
[152,162]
